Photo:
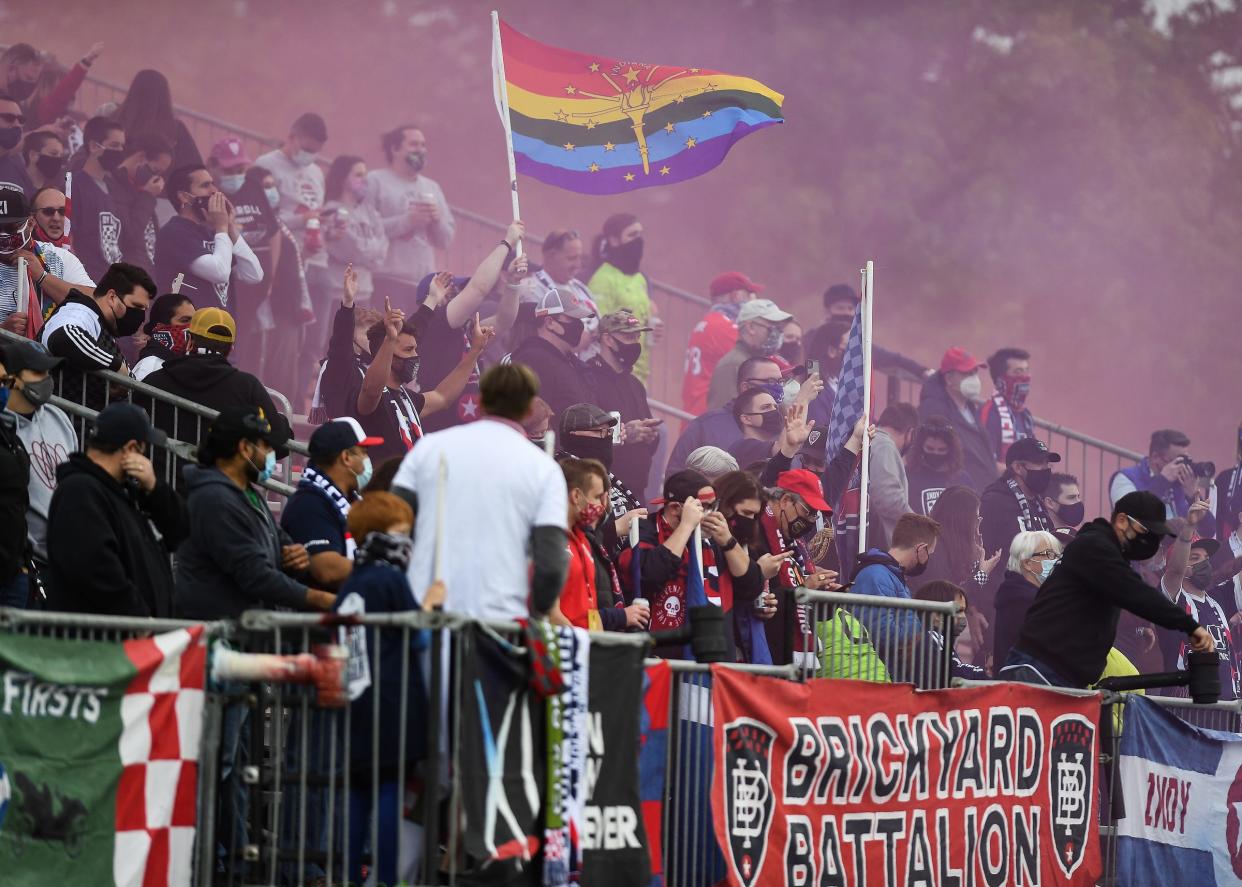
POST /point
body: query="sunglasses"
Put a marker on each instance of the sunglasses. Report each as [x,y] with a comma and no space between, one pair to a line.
[49,212]
[19,119]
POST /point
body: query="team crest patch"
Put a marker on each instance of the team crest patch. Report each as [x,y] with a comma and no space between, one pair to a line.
[1071,768]
[748,795]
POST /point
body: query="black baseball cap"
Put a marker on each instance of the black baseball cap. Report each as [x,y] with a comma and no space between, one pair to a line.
[337,436]
[245,423]
[13,205]
[1147,509]
[1208,544]
[1028,449]
[18,356]
[585,417]
[119,423]
[681,485]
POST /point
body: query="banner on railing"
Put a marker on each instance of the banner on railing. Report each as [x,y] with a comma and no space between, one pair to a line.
[855,783]
[99,747]
[1182,787]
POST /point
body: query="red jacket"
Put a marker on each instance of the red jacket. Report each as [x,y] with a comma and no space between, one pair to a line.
[713,337]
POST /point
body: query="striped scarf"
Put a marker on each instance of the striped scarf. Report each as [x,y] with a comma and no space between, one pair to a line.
[315,480]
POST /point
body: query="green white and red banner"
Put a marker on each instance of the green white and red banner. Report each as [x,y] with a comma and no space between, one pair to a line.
[99,747]
[854,783]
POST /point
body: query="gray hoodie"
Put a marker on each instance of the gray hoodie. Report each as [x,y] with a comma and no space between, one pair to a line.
[49,438]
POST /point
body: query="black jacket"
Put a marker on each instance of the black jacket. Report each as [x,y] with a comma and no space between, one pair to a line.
[1002,516]
[1073,621]
[343,367]
[109,544]
[14,498]
[136,209]
[980,461]
[562,377]
[231,561]
[1013,598]
[625,394]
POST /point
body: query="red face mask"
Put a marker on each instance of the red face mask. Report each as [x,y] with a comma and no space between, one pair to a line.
[1015,387]
[173,336]
[590,514]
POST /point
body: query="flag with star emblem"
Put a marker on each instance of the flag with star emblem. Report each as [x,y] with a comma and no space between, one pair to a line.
[597,125]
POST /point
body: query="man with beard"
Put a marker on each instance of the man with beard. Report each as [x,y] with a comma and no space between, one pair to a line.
[550,352]
[563,261]
[96,224]
[1063,503]
[760,331]
[617,390]
[84,329]
[714,336]
[585,431]
[1005,416]
[52,271]
[202,241]
[43,152]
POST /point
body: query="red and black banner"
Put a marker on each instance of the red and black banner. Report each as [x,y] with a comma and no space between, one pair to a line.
[854,783]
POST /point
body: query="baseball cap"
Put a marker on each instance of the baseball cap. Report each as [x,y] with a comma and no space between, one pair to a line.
[119,423]
[215,324]
[585,417]
[733,280]
[762,309]
[567,302]
[424,285]
[805,484]
[622,320]
[13,205]
[959,360]
[681,485]
[229,152]
[18,356]
[816,444]
[1028,449]
[1147,509]
[339,435]
[1208,544]
[248,423]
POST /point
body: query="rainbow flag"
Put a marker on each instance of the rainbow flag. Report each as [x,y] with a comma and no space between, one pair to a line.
[602,126]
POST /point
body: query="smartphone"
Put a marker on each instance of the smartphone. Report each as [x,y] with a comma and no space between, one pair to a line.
[812,366]
[616,429]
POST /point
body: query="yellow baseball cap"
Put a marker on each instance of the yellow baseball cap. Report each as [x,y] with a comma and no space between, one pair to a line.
[215,324]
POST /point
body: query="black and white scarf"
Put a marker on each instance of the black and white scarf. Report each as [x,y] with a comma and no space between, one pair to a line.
[385,548]
[1033,516]
[314,480]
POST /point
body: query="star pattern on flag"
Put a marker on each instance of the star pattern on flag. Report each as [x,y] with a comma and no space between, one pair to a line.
[707,113]
[593,67]
[629,176]
[591,124]
[664,170]
[680,98]
[468,407]
[570,90]
[568,146]
[594,167]
[669,127]
[609,146]
[690,142]
[562,117]
[631,76]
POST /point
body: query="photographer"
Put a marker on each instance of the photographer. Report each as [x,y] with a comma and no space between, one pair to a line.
[1170,473]
[1072,623]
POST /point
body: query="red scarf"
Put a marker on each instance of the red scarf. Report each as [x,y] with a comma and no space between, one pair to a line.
[41,236]
[790,575]
[668,610]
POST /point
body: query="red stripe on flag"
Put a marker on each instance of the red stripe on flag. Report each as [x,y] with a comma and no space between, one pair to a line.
[156,872]
[184,811]
[194,662]
[165,739]
[131,799]
[146,657]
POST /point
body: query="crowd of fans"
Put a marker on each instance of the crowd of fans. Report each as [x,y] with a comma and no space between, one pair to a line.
[506,404]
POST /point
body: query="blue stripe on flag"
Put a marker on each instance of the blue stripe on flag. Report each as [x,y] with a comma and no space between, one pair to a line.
[1156,734]
[1139,861]
[847,408]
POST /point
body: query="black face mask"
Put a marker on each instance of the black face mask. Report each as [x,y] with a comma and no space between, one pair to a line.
[406,369]
[10,136]
[773,422]
[590,448]
[918,569]
[200,203]
[143,174]
[130,321]
[571,331]
[627,354]
[1072,514]
[1141,548]
[628,256]
[1037,479]
[936,461]
[1201,575]
[48,166]
[791,351]
[111,158]
[801,527]
[742,528]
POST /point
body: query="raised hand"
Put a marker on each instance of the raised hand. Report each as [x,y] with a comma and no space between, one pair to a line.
[351,286]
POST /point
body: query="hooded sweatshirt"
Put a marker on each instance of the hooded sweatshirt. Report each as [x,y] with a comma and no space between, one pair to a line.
[49,438]
[209,379]
[878,573]
[108,544]
[231,561]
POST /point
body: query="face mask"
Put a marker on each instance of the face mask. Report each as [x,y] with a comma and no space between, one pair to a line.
[627,354]
[971,388]
[358,187]
[13,241]
[742,527]
[1201,575]
[1015,388]
[48,166]
[918,569]
[571,331]
[37,393]
[265,473]
[790,391]
[935,461]
[791,351]
[364,476]
[800,527]
[232,184]
[1141,548]
[9,137]
[772,343]
[173,336]
[200,203]
[273,197]
[111,158]
[584,447]
[1045,570]
[1037,479]
[416,160]
[1072,514]
[130,322]
[303,158]
[776,389]
[406,369]
[626,257]
[773,422]
[590,514]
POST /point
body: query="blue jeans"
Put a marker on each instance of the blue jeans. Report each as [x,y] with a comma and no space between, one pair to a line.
[15,592]
[1026,669]
[383,845]
[231,833]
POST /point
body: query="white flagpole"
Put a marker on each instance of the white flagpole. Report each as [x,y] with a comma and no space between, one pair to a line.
[501,87]
[867,280]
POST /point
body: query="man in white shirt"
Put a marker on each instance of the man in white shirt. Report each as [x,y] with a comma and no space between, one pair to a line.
[51,270]
[500,498]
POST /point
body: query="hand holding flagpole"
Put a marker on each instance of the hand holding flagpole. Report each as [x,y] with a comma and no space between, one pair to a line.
[867,279]
[500,89]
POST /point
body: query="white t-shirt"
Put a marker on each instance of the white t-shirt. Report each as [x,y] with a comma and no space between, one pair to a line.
[498,487]
[299,186]
[59,263]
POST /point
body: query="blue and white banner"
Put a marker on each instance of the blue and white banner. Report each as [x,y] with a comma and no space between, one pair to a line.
[1183,797]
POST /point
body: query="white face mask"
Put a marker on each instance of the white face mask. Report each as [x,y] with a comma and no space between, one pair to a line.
[971,388]
[303,158]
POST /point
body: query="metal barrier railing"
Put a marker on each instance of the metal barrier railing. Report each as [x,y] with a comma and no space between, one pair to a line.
[868,638]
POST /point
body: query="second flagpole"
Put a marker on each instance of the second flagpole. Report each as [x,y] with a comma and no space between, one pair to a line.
[868,275]
[501,87]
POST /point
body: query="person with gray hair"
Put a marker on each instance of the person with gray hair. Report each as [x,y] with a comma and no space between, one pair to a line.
[711,461]
[1032,556]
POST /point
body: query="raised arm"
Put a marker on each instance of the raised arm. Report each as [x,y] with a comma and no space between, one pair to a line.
[484,278]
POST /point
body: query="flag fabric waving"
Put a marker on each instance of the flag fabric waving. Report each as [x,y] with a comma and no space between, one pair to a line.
[99,746]
[597,125]
[847,409]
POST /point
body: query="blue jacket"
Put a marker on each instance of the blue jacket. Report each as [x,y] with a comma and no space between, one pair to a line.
[878,574]
[1171,494]
[715,428]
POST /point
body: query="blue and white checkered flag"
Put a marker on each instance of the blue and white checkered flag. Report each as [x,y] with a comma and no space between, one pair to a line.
[847,409]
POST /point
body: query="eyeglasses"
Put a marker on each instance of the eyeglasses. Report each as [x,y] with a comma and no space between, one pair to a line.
[1141,528]
[19,119]
[1047,554]
[50,211]
[754,381]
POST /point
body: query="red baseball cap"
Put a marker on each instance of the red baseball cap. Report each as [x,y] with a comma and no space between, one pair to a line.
[806,485]
[733,280]
[959,360]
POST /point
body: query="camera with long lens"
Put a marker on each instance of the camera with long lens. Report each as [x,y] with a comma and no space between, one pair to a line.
[1199,469]
[1201,677]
